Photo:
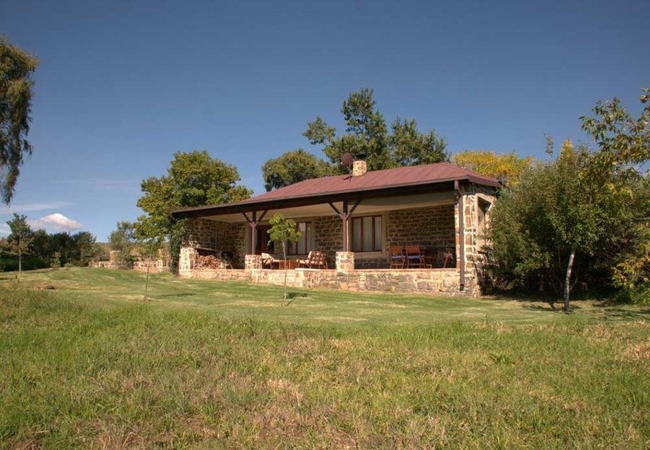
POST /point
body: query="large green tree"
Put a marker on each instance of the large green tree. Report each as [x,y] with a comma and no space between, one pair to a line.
[410,147]
[623,143]
[16,86]
[123,240]
[19,242]
[84,248]
[293,167]
[507,168]
[581,215]
[366,133]
[193,179]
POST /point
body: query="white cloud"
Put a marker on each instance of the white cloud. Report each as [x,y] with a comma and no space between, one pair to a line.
[38,206]
[4,229]
[55,221]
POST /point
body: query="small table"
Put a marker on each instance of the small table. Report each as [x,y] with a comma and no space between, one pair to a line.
[287,264]
[438,257]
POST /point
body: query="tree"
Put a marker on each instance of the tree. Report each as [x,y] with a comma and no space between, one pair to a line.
[410,147]
[623,144]
[16,68]
[507,168]
[293,167]
[623,141]
[55,260]
[19,241]
[558,225]
[367,134]
[84,248]
[149,242]
[193,179]
[62,244]
[281,232]
[123,241]
[41,245]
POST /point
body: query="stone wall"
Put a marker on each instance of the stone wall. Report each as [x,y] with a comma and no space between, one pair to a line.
[186,261]
[434,282]
[221,237]
[431,227]
[328,237]
[472,236]
[155,266]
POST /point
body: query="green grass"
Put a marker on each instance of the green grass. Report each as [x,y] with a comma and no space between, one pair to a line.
[229,365]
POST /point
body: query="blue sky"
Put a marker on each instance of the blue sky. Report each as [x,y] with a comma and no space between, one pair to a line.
[122,86]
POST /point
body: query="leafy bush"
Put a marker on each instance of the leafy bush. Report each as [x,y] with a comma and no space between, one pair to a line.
[639,295]
[8,264]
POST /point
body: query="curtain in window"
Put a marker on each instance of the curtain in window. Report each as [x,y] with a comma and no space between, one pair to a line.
[303,246]
[366,234]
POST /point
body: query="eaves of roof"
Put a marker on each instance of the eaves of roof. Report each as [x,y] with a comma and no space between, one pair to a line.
[383,183]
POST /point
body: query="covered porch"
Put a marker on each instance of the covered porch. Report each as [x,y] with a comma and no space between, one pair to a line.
[356,229]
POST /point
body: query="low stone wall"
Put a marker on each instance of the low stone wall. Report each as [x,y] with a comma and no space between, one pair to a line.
[424,281]
[344,277]
[103,265]
[157,266]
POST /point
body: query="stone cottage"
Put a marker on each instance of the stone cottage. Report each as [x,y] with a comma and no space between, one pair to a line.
[354,220]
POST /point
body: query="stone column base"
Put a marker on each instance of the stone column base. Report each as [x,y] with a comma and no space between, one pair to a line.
[253,262]
[187,260]
[344,261]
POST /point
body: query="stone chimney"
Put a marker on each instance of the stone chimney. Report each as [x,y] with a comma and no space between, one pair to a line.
[359,168]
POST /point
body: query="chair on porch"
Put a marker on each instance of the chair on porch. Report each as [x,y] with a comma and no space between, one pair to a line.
[414,256]
[396,256]
[227,259]
[268,261]
[315,260]
[447,257]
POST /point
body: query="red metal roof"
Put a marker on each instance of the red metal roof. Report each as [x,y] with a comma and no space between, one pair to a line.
[400,176]
[320,189]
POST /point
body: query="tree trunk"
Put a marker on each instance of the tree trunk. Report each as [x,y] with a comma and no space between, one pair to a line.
[146,284]
[20,261]
[567,280]
[286,270]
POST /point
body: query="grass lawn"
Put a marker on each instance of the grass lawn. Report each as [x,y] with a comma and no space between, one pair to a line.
[85,363]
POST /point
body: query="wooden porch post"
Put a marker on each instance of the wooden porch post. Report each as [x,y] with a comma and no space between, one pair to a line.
[345,219]
[461,232]
[253,225]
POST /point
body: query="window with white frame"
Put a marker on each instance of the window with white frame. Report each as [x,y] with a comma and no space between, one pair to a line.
[367,234]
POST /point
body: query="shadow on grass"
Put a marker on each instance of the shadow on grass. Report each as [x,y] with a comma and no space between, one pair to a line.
[291,296]
[550,307]
[620,313]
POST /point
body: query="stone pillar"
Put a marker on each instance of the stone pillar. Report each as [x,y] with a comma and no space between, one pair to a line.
[344,261]
[186,261]
[253,262]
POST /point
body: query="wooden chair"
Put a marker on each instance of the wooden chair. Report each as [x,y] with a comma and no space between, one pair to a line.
[268,261]
[315,260]
[396,256]
[227,258]
[447,256]
[414,256]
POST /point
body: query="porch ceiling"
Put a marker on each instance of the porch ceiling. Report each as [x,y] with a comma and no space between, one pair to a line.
[367,206]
